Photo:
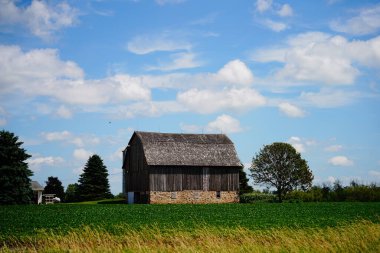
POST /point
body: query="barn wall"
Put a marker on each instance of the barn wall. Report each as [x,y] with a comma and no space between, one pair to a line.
[193,197]
[136,176]
[181,178]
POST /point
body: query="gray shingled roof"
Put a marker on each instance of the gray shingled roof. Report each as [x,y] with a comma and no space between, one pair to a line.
[188,149]
[36,186]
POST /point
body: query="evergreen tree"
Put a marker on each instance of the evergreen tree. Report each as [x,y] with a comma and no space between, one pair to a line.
[93,182]
[15,183]
[54,186]
[244,187]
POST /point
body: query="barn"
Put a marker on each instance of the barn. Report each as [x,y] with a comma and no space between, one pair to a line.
[180,168]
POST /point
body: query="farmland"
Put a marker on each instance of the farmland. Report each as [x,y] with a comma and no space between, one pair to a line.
[141,227]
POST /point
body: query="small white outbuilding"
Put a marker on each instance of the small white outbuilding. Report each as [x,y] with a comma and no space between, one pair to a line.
[37,191]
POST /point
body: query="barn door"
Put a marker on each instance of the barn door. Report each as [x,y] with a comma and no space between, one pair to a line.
[205,181]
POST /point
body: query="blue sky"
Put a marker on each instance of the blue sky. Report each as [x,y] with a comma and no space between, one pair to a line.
[78,77]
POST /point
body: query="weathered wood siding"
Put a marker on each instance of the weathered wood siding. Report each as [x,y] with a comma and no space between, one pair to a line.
[180,178]
[136,176]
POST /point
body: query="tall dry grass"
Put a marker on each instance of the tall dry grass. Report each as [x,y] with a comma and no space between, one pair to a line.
[362,236]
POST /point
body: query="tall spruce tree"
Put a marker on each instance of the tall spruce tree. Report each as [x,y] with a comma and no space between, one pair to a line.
[14,173]
[54,186]
[93,182]
[244,187]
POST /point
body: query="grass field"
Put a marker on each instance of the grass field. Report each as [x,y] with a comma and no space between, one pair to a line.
[179,228]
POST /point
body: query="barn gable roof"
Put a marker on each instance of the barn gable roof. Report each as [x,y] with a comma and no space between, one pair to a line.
[188,149]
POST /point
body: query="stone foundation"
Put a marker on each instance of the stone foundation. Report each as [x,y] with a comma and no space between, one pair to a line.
[193,197]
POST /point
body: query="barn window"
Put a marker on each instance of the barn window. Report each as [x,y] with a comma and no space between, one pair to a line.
[218,194]
[173,195]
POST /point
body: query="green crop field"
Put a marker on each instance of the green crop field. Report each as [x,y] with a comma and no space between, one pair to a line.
[35,228]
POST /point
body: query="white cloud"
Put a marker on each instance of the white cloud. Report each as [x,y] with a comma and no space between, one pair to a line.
[3,122]
[191,128]
[224,124]
[67,137]
[145,44]
[263,5]
[297,143]
[40,17]
[40,72]
[275,25]
[82,154]
[334,148]
[163,2]
[300,144]
[316,57]
[285,11]
[63,112]
[328,98]
[291,110]
[235,72]
[209,101]
[147,109]
[340,161]
[56,136]
[367,21]
[182,60]
[37,163]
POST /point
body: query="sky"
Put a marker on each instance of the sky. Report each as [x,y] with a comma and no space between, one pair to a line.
[79,77]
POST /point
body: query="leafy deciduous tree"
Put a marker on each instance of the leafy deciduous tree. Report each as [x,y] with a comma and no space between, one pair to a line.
[71,194]
[14,173]
[279,165]
[93,182]
[54,186]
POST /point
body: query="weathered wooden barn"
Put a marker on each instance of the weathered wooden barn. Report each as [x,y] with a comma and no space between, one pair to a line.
[180,168]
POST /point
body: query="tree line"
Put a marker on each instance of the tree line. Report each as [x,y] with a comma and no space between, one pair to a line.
[15,182]
[277,166]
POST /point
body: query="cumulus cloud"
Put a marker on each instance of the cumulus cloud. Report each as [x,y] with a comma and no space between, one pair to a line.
[69,138]
[275,25]
[40,17]
[41,72]
[329,98]
[145,44]
[224,124]
[300,144]
[291,110]
[184,60]
[35,164]
[285,11]
[340,161]
[209,101]
[263,5]
[316,57]
[82,154]
[56,136]
[334,148]
[235,72]
[297,144]
[64,112]
[366,21]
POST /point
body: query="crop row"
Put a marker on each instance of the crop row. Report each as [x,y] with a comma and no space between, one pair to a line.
[24,220]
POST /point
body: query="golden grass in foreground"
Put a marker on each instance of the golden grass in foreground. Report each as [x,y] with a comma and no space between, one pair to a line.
[363,236]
